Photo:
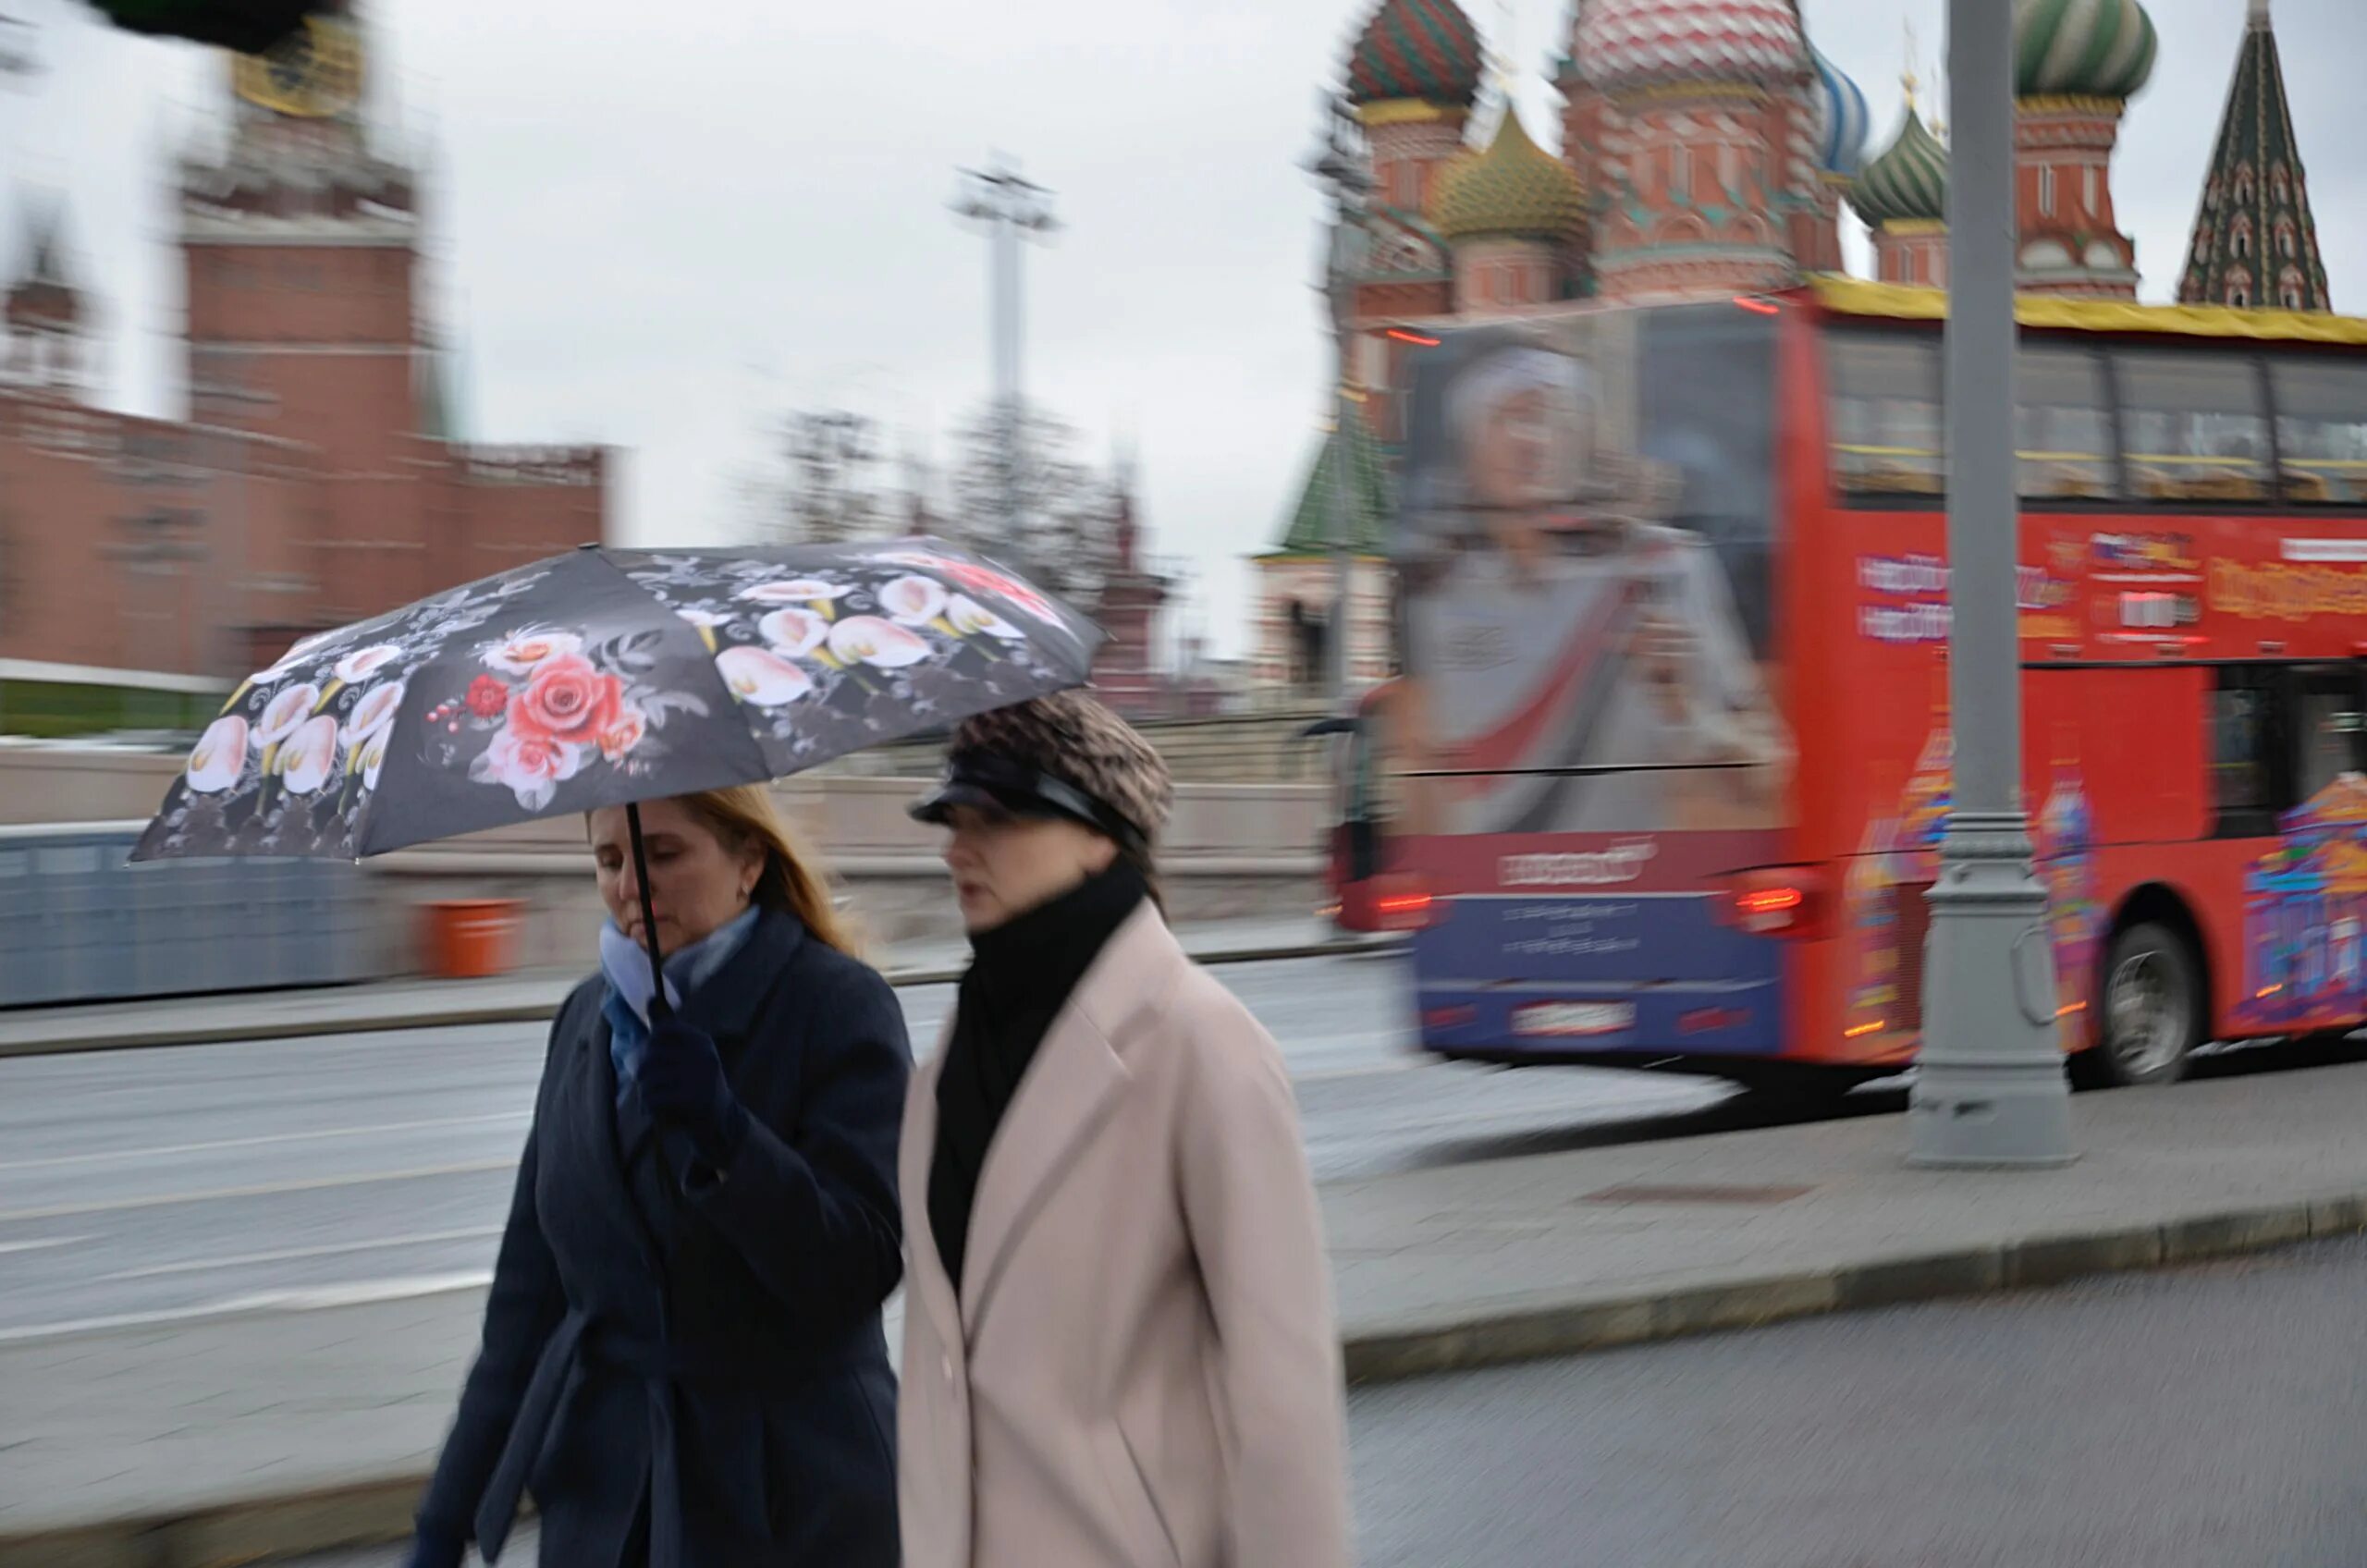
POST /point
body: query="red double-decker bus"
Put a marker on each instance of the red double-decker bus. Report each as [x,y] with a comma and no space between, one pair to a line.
[1673,743]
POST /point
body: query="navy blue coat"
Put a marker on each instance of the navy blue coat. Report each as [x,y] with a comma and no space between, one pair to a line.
[690,1355]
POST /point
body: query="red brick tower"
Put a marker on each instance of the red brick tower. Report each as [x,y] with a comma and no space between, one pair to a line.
[301,251]
[301,256]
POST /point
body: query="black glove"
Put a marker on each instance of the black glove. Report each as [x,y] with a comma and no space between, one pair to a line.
[431,1548]
[684,1085]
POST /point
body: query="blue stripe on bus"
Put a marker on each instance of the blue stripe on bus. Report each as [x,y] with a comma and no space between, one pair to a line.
[1597,972]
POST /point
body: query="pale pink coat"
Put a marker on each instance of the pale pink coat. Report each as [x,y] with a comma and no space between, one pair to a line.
[1143,1370]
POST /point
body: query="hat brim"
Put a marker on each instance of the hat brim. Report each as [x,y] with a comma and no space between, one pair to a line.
[986,783]
[937,806]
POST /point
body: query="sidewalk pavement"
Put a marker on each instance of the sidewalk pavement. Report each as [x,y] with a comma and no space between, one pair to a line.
[528,997]
[228,1441]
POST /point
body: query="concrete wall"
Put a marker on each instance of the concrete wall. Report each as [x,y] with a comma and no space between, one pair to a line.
[1233,849]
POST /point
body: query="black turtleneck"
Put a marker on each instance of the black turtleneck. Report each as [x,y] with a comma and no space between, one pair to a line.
[1020,977]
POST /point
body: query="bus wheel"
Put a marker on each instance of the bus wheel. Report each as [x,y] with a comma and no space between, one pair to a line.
[2152,1011]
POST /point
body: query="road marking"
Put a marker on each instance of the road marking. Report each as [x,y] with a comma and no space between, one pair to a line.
[262,1190]
[36,1244]
[290,1254]
[360,1294]
[107,1157]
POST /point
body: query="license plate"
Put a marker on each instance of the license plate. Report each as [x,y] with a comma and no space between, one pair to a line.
[1562,1020]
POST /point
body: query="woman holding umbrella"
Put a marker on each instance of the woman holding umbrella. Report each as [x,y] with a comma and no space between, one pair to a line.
[683,1357]
[1119,1350]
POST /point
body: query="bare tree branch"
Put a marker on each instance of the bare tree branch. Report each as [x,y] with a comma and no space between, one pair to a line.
[1020,495]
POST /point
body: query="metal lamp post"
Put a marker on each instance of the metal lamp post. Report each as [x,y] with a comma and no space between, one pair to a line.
[1010,210]
[1339,164]
[1990,1089]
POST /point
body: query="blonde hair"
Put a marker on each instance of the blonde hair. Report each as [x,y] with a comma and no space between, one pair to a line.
[743,817]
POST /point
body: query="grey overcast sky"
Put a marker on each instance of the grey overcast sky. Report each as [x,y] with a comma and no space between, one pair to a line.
[653,223]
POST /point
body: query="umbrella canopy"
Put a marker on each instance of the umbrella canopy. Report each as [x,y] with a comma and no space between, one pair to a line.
[607,677]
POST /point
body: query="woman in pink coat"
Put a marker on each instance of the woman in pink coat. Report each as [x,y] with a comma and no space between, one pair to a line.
[1118,1346]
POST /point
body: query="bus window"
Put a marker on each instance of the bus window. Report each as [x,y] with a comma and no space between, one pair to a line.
[2329,729]
[2246,765]
[2322,429]
[2195,427]
[1887,427]
[2062,434]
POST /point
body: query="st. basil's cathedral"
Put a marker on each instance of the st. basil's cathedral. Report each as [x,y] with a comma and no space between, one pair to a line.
[1709,147]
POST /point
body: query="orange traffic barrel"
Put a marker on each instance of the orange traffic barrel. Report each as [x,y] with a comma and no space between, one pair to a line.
[471,938]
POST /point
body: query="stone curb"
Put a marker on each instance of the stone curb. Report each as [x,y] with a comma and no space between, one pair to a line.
[374,1513]
[461,1014]
[1517,1332]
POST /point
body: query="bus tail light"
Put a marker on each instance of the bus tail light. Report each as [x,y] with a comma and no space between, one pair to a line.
[1401,902]
[1780,901]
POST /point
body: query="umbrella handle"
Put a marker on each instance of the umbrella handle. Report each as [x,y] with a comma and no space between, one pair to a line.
[659,1008]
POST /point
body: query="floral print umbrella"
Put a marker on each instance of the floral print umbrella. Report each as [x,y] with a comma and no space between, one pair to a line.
[607,677]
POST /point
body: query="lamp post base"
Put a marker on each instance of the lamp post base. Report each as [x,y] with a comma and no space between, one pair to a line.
[1990,1089]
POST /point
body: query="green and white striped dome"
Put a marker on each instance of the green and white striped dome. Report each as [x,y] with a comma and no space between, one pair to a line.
[2082,48]
[1909,182]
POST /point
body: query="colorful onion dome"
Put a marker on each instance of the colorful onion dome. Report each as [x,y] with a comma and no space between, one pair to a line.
[1645,43]
[1842,119]
[1516,189]
[2082,48]
[1424,50]
[1909,182]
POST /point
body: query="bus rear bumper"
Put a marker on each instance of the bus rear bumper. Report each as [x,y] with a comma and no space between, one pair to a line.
[1608,1025]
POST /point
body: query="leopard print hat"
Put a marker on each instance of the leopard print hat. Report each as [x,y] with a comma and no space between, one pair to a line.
[1072,738]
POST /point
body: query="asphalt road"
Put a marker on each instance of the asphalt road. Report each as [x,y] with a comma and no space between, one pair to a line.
[153,1184]
[2206,1418]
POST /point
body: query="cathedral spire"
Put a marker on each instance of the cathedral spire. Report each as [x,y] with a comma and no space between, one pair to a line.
[2255,243]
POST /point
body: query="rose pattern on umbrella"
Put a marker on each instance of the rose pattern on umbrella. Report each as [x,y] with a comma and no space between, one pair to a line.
[553,687]
[574,705]
[531,766]
[618,740]
[568,701]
